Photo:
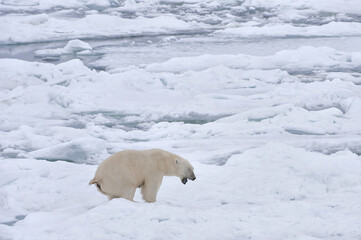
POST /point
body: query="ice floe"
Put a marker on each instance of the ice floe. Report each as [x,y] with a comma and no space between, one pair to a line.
[76,47]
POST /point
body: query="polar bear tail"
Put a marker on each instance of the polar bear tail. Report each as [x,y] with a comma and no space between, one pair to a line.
[97,183]
[93,181]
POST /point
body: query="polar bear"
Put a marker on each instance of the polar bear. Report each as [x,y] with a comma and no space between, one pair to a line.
[122,173]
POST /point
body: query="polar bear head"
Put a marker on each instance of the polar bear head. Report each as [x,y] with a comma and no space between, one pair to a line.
[184,170]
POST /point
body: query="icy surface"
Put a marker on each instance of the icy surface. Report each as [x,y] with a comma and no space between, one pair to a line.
[263,98]
[273,192]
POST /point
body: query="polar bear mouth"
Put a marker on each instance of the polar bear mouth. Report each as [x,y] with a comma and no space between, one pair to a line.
[184,180]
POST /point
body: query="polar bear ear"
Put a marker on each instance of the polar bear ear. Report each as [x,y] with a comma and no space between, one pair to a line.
[176,161]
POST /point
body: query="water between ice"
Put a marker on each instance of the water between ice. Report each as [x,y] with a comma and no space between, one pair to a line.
[118,53]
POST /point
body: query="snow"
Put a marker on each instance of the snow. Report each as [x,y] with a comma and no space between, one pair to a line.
[275,191]
[326,30]
[262,97]
[323,58]
[43,28]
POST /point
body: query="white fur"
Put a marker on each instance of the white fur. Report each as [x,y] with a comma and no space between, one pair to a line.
[119,175]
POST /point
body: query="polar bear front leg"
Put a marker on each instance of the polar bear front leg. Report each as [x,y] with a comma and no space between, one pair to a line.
[129,193]
[150,188]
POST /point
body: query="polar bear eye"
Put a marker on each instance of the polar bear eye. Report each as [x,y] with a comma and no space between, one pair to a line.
[176,161]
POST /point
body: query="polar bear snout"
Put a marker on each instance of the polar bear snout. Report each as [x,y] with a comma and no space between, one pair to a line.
[192,177]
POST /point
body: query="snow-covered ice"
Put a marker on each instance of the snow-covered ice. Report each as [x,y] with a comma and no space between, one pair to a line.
[263,98]
[76,46]
[274,192]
